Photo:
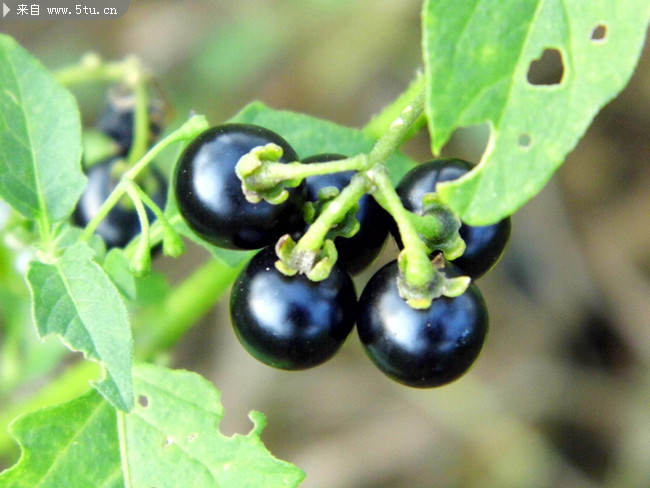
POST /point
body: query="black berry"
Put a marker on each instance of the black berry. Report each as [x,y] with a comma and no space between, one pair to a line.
[210,197]
[485,244]
[122,223]
[420,348]
[291,322]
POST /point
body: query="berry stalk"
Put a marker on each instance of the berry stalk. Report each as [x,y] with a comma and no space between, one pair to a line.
[188,131]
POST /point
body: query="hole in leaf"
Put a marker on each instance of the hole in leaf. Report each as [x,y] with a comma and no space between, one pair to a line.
[548,69]
[599,33]
[169,440]
[525,141]
[143,401]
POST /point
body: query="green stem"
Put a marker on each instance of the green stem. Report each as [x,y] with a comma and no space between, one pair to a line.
[141,261]
[189,130]
[159,327]
[394,135]
[271,173]
[333,213]
[141,120]
[419,272]
[92,68]
[161,229]
[380,123]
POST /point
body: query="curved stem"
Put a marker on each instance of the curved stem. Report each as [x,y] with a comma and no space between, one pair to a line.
[193,127]
[141,120]
[419,272]
[141,261]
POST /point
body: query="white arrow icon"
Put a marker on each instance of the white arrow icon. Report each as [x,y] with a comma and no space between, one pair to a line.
[5,9]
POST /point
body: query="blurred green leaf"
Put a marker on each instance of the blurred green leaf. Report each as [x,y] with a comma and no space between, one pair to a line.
[40,138]
[74,445]
[477,57]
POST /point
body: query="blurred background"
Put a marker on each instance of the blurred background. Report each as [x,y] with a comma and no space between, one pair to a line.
[561,394]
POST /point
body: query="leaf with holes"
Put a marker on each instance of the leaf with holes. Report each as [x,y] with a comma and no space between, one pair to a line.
[40,138]
[170,439]
[478,56]
[75,299]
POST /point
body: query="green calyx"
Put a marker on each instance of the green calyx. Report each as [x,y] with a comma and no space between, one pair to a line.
[420,280]
[347,227]
[438,227]
[258,183]
[315,264]
[420,283]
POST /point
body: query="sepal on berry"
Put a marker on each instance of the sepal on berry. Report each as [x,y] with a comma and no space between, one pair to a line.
[326,260]
[417,281]
[348,226]
[419,289]
[315,264]
[258,185]
[445,237]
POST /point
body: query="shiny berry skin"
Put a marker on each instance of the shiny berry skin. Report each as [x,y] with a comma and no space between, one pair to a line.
[290,322]
[121,224]
[358,251]
[420,348]
[485,244]
[210,197]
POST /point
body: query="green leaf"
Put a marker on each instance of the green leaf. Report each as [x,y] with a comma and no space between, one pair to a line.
[309,135]
[116,266]
[477,58]
[170,439]
[76,300]
[75,445]
[40,138]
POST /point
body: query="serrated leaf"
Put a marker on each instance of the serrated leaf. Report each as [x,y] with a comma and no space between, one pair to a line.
[75,299]
[477,56]
[40,138]
[310,135]
[171,439]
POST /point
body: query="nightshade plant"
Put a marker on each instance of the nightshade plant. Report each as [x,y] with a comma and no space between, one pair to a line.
[143,425]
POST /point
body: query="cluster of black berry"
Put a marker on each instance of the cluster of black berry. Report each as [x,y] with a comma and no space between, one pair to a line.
[116,124]
[292,322]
